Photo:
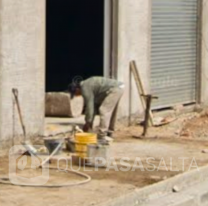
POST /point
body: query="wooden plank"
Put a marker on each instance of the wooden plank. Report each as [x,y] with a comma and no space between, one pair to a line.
[140,88]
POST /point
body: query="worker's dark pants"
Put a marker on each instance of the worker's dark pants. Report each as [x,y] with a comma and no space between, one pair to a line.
[108,111]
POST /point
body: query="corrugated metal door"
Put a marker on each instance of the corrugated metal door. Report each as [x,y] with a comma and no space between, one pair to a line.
[174,51]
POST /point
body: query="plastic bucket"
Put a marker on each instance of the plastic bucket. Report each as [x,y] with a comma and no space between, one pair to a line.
[82,140]
[97,153]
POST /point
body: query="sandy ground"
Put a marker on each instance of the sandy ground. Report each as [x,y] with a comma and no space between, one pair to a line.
[168,149]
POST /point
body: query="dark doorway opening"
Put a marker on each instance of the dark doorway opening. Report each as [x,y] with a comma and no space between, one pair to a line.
[74,41]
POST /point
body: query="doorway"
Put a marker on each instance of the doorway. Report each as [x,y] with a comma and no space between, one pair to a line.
[74,41]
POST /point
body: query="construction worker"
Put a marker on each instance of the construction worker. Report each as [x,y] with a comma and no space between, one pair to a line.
[102,94]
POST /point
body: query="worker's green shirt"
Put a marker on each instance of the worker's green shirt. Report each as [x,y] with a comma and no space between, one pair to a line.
[94,91]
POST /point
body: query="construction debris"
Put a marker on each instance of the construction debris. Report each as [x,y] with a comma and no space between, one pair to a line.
[205,151]
[176,189]
[160,121]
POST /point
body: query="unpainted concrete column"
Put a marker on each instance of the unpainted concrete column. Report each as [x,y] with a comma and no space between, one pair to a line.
[134,19]
[22,65]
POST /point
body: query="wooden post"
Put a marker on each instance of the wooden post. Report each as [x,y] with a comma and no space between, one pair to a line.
[147,112]
[130,96]
[140,89]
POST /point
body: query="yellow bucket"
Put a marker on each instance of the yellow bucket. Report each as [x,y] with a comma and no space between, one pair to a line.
[81,142]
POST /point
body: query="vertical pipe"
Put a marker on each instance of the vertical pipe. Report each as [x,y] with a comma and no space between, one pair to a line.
[199,52]
[107,37]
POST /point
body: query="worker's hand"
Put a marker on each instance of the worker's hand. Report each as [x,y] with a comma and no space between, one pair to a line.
[87,127]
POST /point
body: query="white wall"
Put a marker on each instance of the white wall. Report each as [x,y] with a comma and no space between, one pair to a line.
[133,44]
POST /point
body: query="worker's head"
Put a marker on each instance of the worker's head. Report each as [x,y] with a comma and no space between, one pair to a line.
[74,89]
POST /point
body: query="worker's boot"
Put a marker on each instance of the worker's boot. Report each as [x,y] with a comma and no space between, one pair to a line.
[108,139]
[103,138]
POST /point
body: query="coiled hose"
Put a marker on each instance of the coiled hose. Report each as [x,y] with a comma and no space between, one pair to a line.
[88,178]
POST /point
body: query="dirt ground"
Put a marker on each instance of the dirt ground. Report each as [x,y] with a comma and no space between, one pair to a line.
[105,185]
[170,150]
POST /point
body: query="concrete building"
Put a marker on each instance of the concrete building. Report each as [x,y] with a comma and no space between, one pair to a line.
[46,44]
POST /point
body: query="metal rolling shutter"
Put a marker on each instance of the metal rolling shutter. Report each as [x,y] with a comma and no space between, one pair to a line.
[174,51]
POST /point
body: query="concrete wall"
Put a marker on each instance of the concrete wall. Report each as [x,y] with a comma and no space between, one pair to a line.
[204,56]
[134,26]
[22,65]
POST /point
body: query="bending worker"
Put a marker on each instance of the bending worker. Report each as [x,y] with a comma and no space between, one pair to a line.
[102,94]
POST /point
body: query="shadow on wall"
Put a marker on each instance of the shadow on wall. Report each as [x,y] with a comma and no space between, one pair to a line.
[74,41]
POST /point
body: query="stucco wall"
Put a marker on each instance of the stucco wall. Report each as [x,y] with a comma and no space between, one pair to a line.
[133,44]
[22,65]
[204,56]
